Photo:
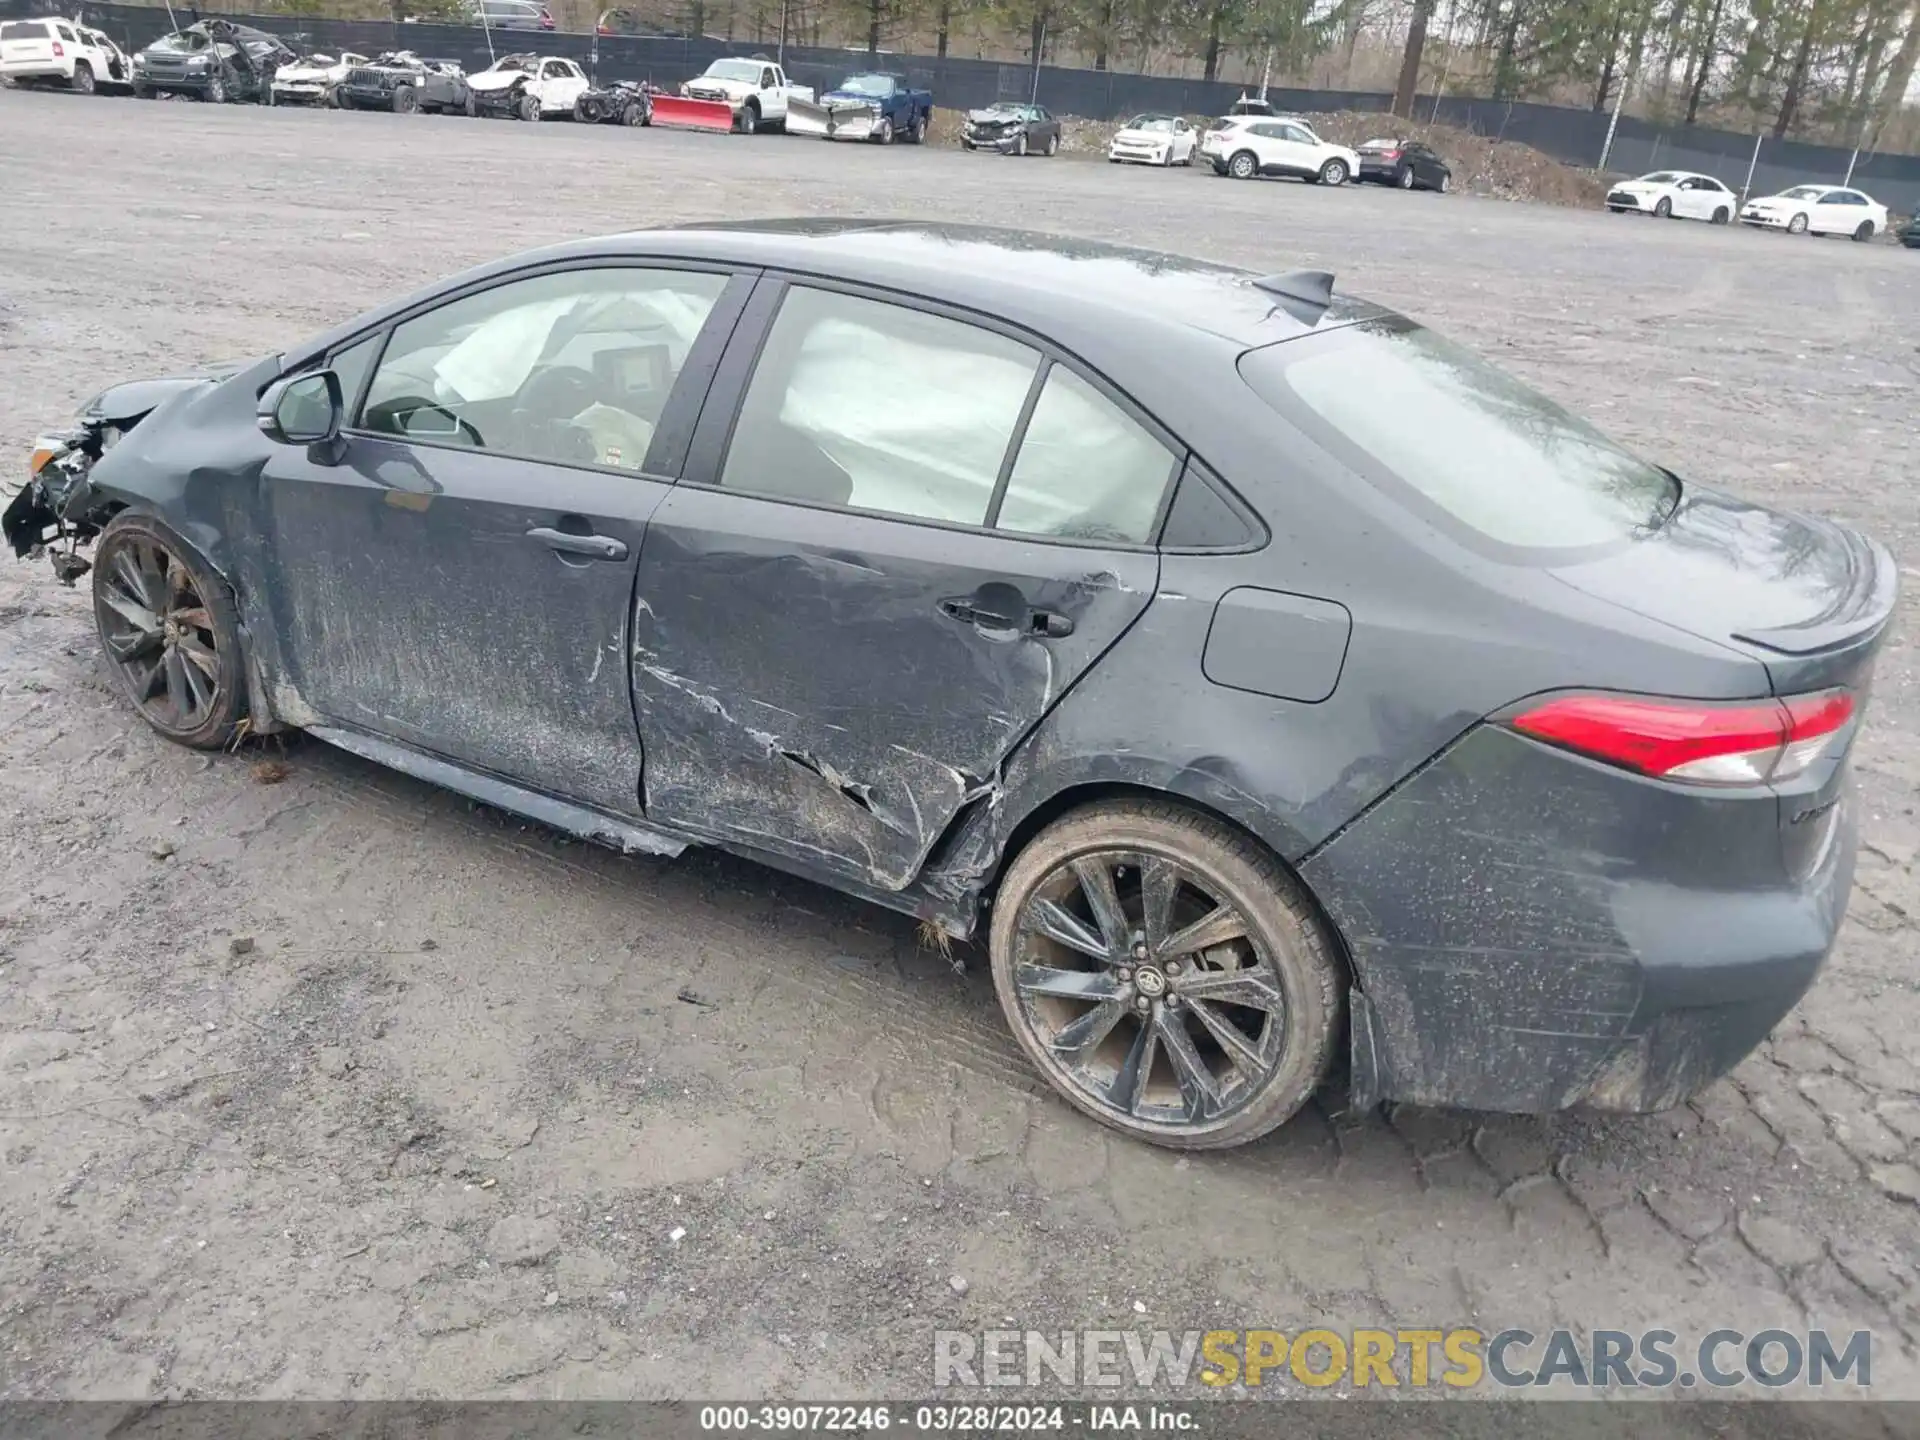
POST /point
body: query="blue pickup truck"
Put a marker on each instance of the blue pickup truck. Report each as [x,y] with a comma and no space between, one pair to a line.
[877,107]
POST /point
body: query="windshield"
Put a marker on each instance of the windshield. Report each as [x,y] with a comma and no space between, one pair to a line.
[510,65]
[868,85]
[1150,122]
[179,42]
[1658,177]
[1803,192]
[1401,404]
[746,70]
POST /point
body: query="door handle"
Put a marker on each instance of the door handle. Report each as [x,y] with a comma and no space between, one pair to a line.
[595,547]
[967,612]
[994,613]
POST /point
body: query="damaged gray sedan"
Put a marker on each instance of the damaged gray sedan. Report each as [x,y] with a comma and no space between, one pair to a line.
[1270,680]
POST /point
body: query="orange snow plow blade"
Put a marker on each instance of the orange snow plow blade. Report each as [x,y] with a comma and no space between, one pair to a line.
[692,114]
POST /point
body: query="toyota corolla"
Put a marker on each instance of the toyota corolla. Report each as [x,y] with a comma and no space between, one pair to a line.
[1264,677]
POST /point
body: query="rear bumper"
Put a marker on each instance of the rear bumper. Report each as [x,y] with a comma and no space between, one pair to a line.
[36,70]
[1377,169]
[1531,932]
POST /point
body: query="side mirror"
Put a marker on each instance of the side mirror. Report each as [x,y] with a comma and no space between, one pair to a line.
[304,410]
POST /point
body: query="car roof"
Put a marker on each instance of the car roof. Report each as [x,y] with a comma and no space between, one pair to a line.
[1046,283]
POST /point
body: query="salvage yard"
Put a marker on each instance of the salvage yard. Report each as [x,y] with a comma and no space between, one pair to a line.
[318,1082]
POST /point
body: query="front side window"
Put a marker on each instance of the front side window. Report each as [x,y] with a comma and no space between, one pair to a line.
[1086,470]
[1404,406]
[573,366]
[860,403]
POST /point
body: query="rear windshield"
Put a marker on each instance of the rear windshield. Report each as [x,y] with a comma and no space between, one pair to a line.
[1424,416]
[23,30]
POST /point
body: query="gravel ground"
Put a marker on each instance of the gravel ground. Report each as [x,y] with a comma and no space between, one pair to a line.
[315,1081]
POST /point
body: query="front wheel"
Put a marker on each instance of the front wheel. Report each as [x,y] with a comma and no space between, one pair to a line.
[1404,177]
[883,131]
[170,632]
[1166,974]
[406,100]
[216,91]
[1864,232]
[143,92]
[1020,145]
[583,112]
[469,107]
[1334,172]
[750,118]
[529,107]
[1663,208]
[1797,225]
[635,114]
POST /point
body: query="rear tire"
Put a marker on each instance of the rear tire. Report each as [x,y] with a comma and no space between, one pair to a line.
[1274,957]
[1446,181]
[470,107]
[169,627]
[1722,215]
[82,82]
[919,135]
[1053,144]
[1864,232]
[143,92]
[1243,166]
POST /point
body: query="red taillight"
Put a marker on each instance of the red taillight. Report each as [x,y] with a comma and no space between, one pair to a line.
[58,51]
[1389,154]
[1740,744]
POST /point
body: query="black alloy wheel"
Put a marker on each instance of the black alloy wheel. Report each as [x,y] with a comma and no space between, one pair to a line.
[1166,974]
[170,632]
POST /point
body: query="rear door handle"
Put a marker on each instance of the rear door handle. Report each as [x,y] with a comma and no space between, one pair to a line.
[595,547]
[968,613]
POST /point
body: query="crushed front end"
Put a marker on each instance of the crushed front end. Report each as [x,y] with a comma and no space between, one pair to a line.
[54,510]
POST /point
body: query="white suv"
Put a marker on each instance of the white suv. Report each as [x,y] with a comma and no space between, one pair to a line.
[63,51]
[1244,146]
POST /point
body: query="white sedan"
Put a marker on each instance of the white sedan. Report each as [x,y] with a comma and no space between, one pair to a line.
[1820,210]
[1154,140]
[1675,192]
[314,78]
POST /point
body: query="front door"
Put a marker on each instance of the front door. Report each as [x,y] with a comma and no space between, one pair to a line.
[890,558]
[461,580]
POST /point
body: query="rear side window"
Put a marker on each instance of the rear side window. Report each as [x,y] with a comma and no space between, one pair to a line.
[1086,470]
[23,30]
[1465,441]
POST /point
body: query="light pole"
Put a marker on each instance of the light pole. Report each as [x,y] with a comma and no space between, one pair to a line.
[1619,103]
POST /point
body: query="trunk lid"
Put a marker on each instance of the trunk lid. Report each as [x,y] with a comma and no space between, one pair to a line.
[1807,598]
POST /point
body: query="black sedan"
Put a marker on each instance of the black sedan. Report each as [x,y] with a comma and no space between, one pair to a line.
[1012,128]
[1262,675]
[1910,236]
[1406,164]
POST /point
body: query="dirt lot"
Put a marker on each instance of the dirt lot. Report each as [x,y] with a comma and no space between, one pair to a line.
[338,1086]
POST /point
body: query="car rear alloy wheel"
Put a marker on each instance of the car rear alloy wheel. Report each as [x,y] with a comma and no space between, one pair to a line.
[1446,181]
[1721,215]
[83,78]
[170,632]
[919,136]
[1166,974]
[1243,166]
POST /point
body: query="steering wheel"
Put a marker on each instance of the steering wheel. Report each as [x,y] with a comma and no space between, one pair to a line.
[543,412]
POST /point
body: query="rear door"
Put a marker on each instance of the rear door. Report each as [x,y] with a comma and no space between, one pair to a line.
[902,536]
[459,576]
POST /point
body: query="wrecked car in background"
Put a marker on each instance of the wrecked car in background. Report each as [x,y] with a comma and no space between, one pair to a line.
[1013,128]
[877,107]
[734,94]
[619,102]
[212,60]
[403,82]
[313,79]
[528,87]
[1512,765]
[54,51]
